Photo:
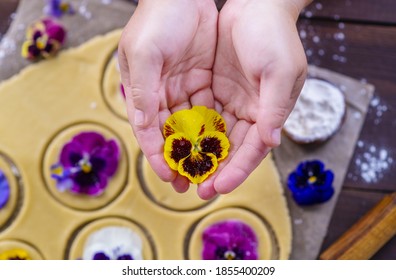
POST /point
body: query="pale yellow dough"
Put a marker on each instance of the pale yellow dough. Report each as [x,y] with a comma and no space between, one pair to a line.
[50,101]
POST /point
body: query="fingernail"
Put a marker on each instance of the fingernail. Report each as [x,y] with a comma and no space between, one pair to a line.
[139,117]
[276,136]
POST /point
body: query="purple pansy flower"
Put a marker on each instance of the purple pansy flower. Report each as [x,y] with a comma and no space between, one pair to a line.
[4,190]
[310,183]
[57,8]
[44,38]
[86,164]
[229,240]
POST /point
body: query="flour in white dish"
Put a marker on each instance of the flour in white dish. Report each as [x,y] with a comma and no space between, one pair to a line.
[318,112]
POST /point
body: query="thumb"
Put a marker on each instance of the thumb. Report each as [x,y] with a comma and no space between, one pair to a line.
[140,76]
[278,95]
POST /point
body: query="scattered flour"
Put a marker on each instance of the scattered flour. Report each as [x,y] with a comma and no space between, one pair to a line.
[378,108]
[371,163]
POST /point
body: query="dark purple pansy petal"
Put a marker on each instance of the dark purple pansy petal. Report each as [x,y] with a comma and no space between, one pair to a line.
[4,190]
[229,238]
[110,153]
[90,141]
[54,30]
[125,257]
[37,34]
[71,154]
[306,168]
[91,183]
[33,51]
[100,256]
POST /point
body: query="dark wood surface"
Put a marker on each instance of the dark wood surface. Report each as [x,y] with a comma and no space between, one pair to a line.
[356,38]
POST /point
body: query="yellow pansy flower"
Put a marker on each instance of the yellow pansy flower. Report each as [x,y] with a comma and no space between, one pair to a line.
[195,142]
[14,254]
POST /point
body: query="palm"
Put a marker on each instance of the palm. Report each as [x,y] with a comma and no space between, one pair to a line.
[237,94]
[254,80]
[178,52]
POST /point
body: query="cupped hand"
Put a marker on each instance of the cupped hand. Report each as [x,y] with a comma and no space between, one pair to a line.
[259,70]
[166,55]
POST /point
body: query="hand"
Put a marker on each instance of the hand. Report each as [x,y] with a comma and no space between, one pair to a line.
[259,70]
[166,55]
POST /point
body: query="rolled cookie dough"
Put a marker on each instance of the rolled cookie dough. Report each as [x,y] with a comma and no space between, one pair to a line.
[52,96]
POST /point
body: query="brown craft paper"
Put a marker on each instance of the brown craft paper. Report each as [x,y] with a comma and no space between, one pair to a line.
[310,223]
[95,19]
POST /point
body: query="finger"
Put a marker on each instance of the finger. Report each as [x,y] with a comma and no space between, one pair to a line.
[181,184]
[246,158]
[203,98]
[141,90]
[140,75]
[206,192]
[237,135]
[279,91]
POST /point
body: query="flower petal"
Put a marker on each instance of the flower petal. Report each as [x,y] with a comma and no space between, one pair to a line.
[198,166]
[71,154]
[108,155]
[185,121]
[4,190]
[215,143]
[54,30]
[15,254]
[177,147]
[213,120]
[89,183]
[89,141]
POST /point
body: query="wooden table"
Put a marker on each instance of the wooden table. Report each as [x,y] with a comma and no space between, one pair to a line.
[356,38]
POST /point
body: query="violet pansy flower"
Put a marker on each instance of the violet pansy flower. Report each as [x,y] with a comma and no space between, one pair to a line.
[44,38]
[229,240]
[310,183]
[58,8]
[4,190]
[86,164]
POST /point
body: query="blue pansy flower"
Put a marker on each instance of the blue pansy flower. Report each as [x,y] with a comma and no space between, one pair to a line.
[310,183]
[4,190]
[57,8]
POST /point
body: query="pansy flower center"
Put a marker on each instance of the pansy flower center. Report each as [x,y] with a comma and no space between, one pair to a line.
[85,164]
[65,7]
[312,179]
[229,255]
